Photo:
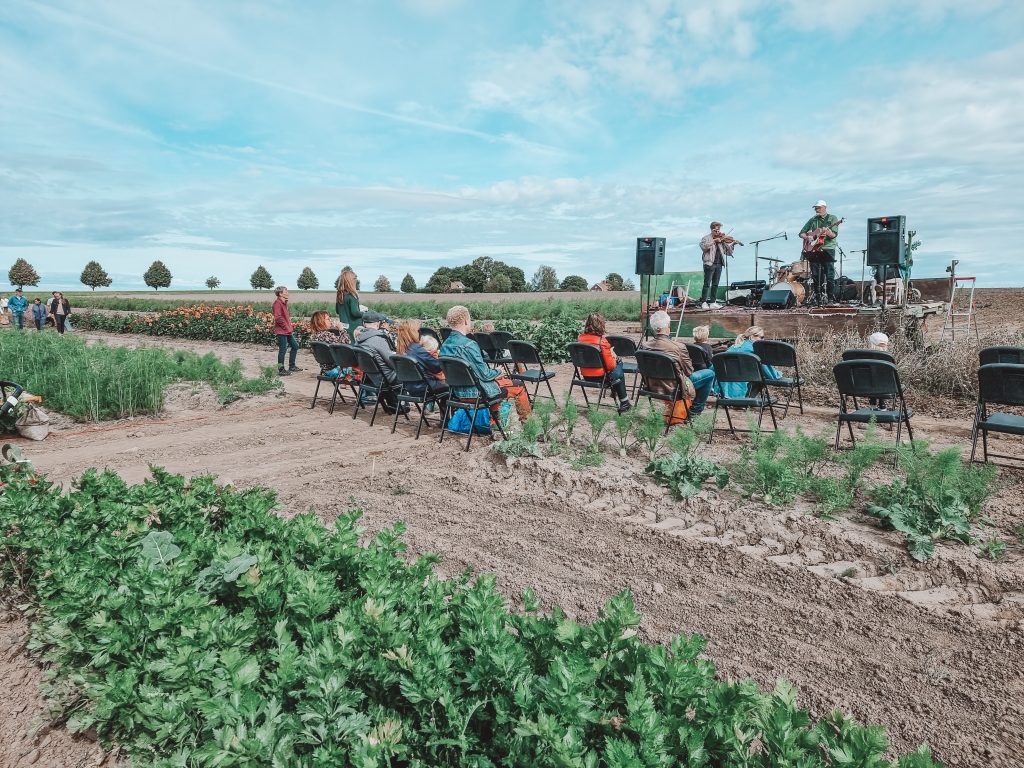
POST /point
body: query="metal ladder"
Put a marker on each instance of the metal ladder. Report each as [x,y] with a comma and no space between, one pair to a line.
[959,320]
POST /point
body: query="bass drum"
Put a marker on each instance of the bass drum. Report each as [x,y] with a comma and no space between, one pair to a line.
[797,289]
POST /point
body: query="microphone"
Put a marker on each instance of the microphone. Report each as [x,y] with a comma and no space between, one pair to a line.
[785,236]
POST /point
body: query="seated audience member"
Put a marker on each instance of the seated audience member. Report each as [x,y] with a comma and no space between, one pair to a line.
[879,341]
[324,328]
[594,334]
[701,334]
[459,345]
[432,346]
[700,382]
[410,343]
[745,343]
[378,343]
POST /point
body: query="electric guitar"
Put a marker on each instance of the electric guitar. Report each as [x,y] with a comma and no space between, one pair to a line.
[817,237]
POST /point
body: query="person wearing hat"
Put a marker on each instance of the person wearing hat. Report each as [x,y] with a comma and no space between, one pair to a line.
[823,262]
[18,305]
[715,248]
[380,345]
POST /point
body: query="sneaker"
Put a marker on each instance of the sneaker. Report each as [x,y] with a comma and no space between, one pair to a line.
[283,372]
[705,305]
[294,369]
[715,305]
[624,405]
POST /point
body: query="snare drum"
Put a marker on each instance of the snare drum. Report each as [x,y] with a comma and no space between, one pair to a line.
[797,289]
[800,268]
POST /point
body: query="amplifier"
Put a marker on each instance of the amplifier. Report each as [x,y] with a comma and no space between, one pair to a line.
[748,285]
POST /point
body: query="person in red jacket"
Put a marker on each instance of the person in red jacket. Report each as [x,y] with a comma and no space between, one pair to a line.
[285,333]
[593,333]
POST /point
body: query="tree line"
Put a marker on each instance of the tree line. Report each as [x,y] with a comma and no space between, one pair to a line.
[482,275]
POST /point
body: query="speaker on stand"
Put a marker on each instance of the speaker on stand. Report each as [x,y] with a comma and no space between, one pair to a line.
[650,261]
[887,247]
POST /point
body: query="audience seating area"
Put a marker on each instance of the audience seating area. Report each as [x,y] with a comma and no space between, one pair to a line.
[867,382]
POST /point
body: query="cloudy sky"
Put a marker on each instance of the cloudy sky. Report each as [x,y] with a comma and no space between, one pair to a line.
[401,136]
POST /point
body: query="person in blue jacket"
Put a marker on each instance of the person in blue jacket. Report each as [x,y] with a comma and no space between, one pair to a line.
[745,343]
[18,305]
[39,314]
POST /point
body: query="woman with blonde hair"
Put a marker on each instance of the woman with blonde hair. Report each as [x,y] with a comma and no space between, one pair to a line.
[745,343]
[409,344]
[346,302]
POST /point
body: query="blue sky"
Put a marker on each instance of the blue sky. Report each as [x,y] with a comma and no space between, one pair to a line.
[401,136]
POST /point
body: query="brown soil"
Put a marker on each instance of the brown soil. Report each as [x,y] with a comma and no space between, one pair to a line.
[932,651]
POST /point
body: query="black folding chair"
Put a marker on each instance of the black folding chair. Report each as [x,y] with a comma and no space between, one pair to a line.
[345,357]
[523,355]
[782,355]
[740,368]
[445,333]
[1012,355]
[657,366]
[374,383]
[9,394]
[324,358]
[587,356]
[492,355]
[427,331]
[625,349]
[998,384]
[501,340]
[696,352]
[870,378]
[457,373]
[868,354]
[412,380]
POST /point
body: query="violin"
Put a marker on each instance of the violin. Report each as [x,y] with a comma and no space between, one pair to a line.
[726,239]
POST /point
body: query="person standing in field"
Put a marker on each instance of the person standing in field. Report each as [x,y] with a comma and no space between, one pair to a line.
[60,308]
[346,302]
[18,305]
[285,333]
[39,314]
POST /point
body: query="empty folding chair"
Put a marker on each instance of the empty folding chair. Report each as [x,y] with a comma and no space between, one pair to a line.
[458,374]
[654,367]
[779,354]
[625,349]
[1012,355]
[495,357]
[871,379]
[374,383]
[344,356]
[414,389]
[740,368]
[868,354]
[524,355]
[998,384]
[587,356]
[322,355]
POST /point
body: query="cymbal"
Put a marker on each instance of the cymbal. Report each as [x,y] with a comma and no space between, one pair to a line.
[769,258]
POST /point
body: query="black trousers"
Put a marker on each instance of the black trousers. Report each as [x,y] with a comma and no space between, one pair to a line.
[823,272]
[712,275]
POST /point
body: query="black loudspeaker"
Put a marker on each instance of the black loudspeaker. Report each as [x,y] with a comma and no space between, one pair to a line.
[887,237]
[650,256]
[778,300]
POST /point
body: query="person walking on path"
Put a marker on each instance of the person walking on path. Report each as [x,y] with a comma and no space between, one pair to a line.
[60,308]
[39,314]
[285,332]
[18,305]
[346,302]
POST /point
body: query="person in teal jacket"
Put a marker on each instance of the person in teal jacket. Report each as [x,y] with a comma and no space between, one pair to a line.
[347,302]
[18,305]
[745,343]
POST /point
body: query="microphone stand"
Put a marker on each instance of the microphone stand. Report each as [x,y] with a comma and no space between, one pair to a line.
[863,272]
[757,245]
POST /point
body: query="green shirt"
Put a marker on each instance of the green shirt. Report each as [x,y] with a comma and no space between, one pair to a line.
[817,222]
[349,313]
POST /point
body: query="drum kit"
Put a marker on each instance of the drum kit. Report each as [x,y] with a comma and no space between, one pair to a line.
[794,278]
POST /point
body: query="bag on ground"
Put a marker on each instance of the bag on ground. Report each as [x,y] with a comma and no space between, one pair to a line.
[34,423]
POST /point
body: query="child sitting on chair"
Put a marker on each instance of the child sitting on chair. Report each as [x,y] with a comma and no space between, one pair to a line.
[430,344]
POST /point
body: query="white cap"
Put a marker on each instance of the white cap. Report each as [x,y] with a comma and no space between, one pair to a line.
[877,339]
[821,203]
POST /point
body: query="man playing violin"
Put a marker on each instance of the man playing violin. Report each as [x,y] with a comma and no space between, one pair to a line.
[823,260]
[715,248]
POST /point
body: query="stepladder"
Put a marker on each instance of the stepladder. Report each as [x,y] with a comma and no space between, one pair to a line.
[960,319]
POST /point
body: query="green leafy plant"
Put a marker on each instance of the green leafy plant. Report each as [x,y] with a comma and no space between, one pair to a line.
[570,417]
[523,442]
[937,497]
[1018,531]
[993,548]
[682,471]
[649,428]
[544,409]
[598,418]
[192,626]
[623,430]
[778,465]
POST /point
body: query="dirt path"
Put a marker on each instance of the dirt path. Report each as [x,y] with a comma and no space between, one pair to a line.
[931,651]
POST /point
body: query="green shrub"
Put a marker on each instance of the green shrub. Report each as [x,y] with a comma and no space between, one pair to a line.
[682,471]
[192,626]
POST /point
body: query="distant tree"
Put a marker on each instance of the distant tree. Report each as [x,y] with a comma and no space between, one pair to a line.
[94,275]
[408,284]
[22,273]
[261,279]
[307,280]
[544,279]
[628,285]
[614,280]
[574,283]
[212,282]
[157,276]
[382,285]
[500,284]
[440,281]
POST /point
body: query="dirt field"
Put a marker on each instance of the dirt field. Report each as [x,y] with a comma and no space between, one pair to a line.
[932,651]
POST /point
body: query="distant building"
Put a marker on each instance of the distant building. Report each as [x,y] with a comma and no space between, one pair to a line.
[457,286]
[604,285]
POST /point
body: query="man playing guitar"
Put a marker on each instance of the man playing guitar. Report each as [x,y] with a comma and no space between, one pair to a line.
[819,235]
